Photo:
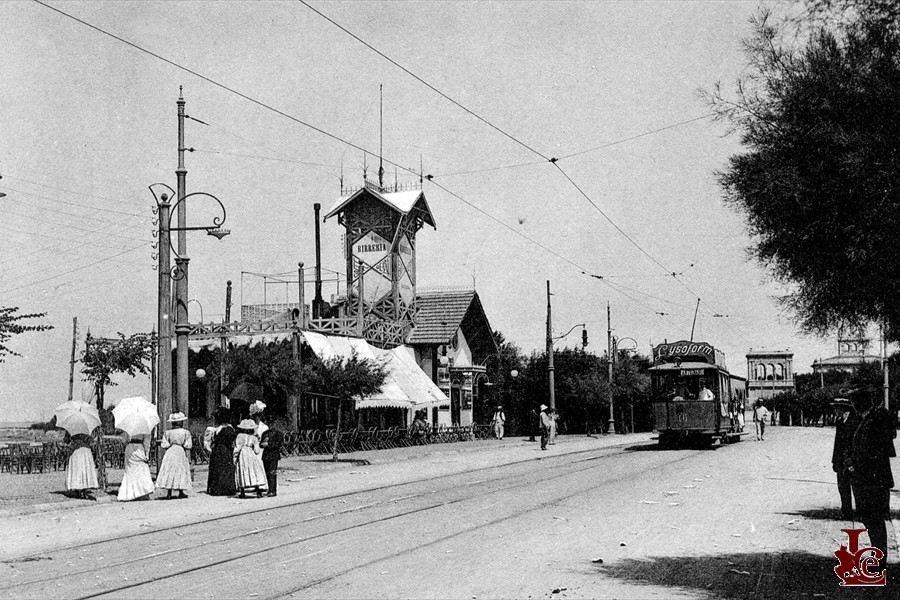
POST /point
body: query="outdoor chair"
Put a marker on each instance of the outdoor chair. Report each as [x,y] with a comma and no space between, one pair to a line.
[5,459]
[199,455]
[34,458]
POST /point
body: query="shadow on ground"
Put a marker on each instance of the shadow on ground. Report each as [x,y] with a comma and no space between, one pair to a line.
[356,462]
[775,576]
[830,514]
[655,447]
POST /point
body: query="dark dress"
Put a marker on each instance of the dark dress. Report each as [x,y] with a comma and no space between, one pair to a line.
[221,463]
[272,440]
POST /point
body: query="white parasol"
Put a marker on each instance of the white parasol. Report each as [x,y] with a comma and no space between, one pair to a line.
[135,416]
[77,417]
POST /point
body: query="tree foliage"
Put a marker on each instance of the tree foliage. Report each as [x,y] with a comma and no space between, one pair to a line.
[11,324]
[105,357]
[819,182]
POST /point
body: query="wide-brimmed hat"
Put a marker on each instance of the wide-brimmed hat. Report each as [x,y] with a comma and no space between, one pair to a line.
[247,424]
[177,417]
[543,407]
[499,407]
[257,407]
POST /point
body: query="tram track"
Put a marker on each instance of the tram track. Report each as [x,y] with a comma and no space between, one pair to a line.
[96,546]
[593,455]
[242,515]
[258,553]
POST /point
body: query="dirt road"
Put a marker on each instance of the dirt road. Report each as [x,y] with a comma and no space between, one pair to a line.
[751,520]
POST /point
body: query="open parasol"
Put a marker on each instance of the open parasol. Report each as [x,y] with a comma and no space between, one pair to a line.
[136,416]
[77,417]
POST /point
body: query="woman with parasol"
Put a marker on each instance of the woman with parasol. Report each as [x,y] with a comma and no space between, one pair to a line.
[250,474]
[136,418]
[79,419]
[175,470]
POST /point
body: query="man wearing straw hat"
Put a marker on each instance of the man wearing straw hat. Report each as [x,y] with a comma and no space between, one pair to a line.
[845,423]
[546,424]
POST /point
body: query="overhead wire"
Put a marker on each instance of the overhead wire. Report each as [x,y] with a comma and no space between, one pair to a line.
[58,189]
[70,271]
[336,137]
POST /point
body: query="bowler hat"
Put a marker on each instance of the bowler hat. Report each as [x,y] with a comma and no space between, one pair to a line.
[842,403]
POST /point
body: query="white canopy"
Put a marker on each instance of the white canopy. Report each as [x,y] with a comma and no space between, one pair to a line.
[406,385]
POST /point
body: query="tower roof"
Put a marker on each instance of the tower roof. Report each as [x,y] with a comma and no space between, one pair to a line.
[403,202]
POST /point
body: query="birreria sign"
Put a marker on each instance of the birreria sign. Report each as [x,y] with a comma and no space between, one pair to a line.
[375,253]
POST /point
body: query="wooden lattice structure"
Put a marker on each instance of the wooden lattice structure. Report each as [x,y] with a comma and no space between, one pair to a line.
[380,252]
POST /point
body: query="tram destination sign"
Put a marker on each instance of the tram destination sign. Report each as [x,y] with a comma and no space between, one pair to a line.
[685,351]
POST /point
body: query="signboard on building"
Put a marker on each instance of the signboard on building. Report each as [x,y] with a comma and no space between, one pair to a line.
[375,253]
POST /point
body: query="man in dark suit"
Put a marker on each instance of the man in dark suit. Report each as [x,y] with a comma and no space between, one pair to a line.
[845,423]
[870,467]
[271,442]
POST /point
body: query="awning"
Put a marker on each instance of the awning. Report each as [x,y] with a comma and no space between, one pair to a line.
[211,343]
[406,385]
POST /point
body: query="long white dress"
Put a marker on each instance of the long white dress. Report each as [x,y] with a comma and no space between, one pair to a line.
[175,470]
[136,482]
[81,474]
[249,471]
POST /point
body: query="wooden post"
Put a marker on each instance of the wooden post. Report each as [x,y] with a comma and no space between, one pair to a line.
[337,432]
[72,361]
[360,316]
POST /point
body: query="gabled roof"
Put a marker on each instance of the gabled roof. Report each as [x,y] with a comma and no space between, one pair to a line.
[439,315]
[403,202]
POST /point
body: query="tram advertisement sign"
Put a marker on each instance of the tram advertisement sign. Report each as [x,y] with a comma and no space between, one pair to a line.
[683,348]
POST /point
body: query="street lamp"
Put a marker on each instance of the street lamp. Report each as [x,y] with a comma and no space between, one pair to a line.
[200,305]
[162,192]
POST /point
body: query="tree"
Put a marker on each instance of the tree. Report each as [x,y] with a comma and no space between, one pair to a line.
[105,357]
[10,325]
[271,367]
[344,380]
[819,182]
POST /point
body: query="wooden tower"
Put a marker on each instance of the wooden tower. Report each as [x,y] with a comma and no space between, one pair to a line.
[380,226]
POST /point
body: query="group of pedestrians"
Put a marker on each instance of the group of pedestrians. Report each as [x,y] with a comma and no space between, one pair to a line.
[243,459]
[863,446]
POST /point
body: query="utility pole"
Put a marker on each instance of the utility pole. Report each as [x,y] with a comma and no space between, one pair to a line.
[72,361]
[164,318]
[181,285]
[610,351]
[550,369]
[884,367]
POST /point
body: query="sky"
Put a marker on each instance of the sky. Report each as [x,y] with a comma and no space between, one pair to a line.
[610,89]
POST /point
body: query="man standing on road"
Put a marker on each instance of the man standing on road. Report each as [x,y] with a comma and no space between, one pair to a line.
[845,424]
[546,423]
[499,421]
[870,467]
[760,414]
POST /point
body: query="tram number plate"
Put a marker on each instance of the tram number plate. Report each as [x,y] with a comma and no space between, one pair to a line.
[690,372]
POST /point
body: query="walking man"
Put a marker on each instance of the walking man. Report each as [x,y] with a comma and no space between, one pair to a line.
[499,421]
[760,414]
[870,467]
[845,424]
[546,424]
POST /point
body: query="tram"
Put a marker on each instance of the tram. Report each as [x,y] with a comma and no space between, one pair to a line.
[695,399]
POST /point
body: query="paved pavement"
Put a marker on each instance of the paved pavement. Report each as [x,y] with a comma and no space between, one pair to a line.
[750,520]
